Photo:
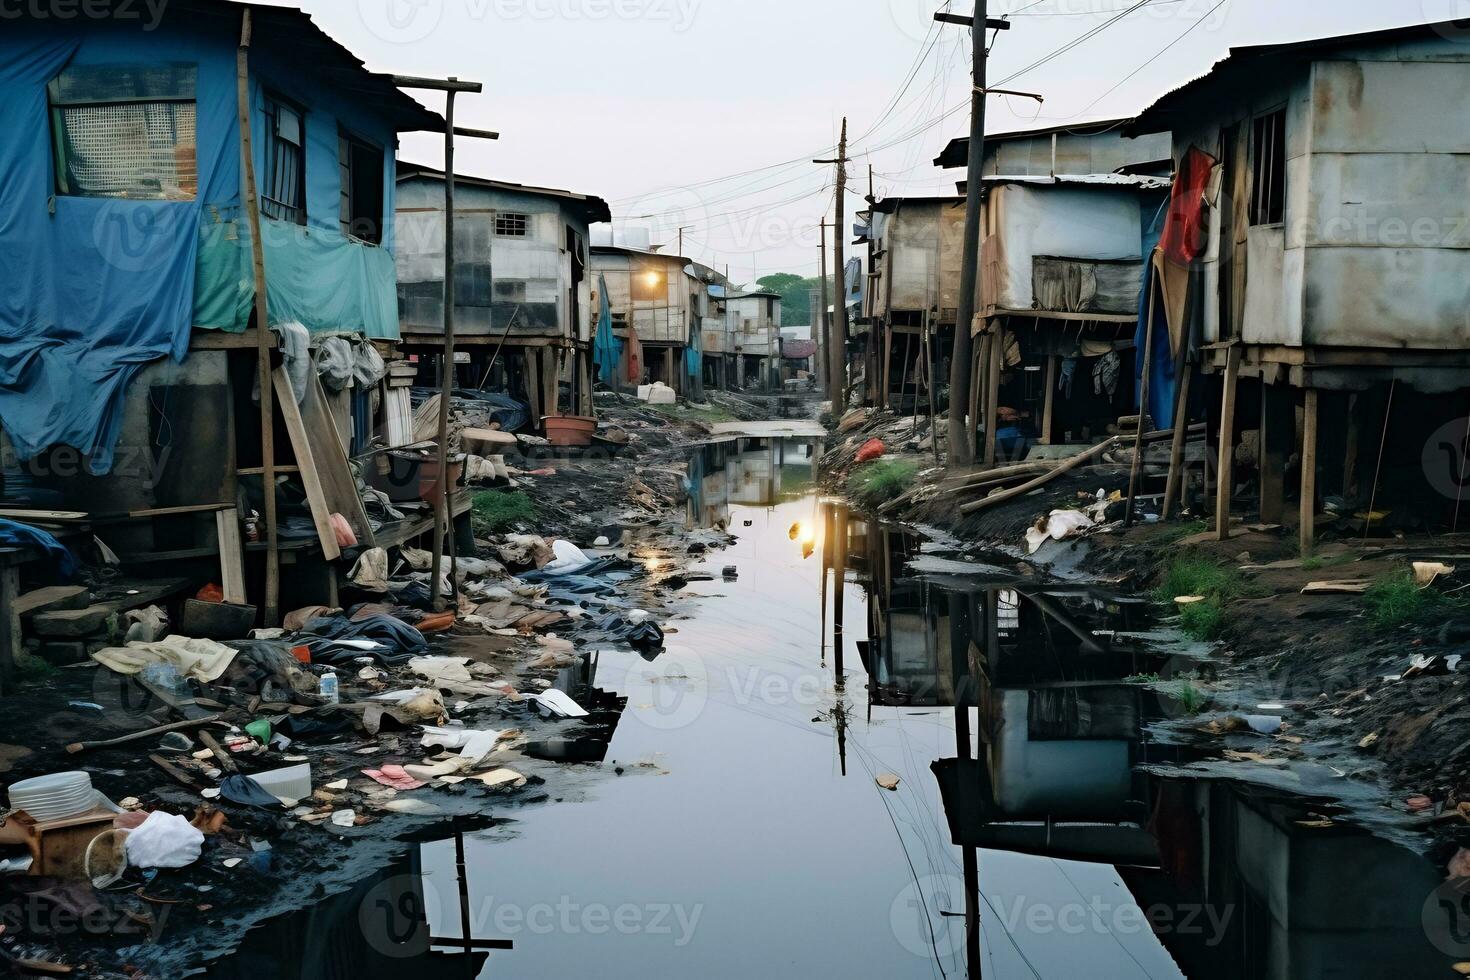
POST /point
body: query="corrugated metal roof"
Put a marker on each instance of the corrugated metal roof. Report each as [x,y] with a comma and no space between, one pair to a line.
[1155,117]
[594,208]
[956,152]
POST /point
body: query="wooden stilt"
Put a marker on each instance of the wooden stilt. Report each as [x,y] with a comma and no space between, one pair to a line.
[1178,476]
[1049,398]
[1309,473]
[271,607]
[992,391]
[1135,471]
[1278,432]
[1224,480]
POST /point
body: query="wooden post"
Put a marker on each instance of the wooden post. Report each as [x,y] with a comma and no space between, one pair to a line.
[1309,472]
[271,607]
[824,360]
[446,373]
[1278,432]
[961,430]
[839,306]
[1177,481]
[1224,468]
[885,370]
[992,391]
[929,372]
[1049,398]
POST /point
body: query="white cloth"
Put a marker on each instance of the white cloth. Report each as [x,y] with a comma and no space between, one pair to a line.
[1060,525]
[371,570]
[203,660]
[164,840]
[569,558]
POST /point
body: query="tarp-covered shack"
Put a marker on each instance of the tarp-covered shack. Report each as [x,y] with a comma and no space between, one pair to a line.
[121,220]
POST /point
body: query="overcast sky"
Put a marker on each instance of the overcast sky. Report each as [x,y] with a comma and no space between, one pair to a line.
[655,105]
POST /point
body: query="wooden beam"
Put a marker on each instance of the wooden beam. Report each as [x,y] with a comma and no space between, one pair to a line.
[991,23]
[321,511]
[1224,481]
[1177,481]
[992,392]
[263,338]
[1309,473]
[231,555]
[1048,400]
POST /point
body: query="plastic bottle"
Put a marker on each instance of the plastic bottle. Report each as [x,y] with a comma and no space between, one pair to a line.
[328,687]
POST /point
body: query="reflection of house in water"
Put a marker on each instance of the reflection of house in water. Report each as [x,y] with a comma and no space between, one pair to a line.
[376,930]
[1236,881]
[747,472]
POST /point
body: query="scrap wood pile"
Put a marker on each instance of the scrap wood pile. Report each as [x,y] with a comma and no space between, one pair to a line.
[340,718]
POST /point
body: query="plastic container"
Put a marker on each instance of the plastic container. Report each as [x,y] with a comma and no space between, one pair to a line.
[569,430]
[329,687]
[290,783]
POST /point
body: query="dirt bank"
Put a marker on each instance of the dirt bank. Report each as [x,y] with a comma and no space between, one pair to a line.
[1361,670]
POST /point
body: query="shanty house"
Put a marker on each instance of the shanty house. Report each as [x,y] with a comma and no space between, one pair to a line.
[1327,242]
[522,283]
[654,301]
[128,326]
[755,325]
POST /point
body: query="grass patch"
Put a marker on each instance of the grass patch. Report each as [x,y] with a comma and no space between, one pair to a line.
[1179,532]
[1193,575]
[1191,699]
[29,668]
[1203,620]
[500,510]
[879,482]
[1197,576]
[1394,600]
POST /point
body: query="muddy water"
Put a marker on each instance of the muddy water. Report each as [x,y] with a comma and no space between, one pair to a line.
[1030,833]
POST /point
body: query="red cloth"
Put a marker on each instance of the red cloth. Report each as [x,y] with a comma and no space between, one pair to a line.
[872,449]
[1185,234]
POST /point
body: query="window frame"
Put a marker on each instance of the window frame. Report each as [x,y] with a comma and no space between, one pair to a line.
[1268,168]
[57,102]
[512,219]
[347,142]
[274,104]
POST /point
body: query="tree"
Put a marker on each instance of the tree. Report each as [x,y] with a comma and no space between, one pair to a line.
[796,295]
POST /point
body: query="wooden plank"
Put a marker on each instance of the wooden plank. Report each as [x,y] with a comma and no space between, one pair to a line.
[316,498]
[52,597]
[1049,398]
[1224,468]
[231,555]
[1176,480]
[992,392]
[49,516]
[333,469]
[1309,473]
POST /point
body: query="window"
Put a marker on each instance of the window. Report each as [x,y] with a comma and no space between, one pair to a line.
[510,291]
[1268,163]
[509,224]
[283,196]
[125,131]
[362,188]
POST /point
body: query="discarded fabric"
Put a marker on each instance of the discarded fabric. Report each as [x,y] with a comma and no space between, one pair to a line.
[165,840]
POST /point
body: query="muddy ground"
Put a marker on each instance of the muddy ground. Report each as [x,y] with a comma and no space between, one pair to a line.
[1344,683]
[263,863]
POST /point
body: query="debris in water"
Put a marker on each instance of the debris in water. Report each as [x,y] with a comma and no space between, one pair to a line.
[888,781]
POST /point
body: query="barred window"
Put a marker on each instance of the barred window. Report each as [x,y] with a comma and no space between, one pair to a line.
[283,196]
[509,224]
[125,131]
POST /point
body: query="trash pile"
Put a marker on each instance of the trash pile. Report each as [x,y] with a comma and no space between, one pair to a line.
[341,718]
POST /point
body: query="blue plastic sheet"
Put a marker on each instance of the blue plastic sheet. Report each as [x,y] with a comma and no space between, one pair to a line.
[607,350]
[1161,368]
[98,287]
[16,535]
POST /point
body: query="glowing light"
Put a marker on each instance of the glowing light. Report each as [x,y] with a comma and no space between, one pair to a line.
[651,278]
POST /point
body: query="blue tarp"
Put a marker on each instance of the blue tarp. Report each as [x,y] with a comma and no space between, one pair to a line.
[607,349]
[16,535]
[1161,380]
[98,287]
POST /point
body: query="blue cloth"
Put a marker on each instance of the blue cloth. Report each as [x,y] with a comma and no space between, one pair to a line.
[607,349]
[1161,382]
[16,535]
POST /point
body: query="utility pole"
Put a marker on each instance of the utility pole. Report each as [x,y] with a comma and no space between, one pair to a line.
[826,359]
[962,429]
[874,345]
[837,355]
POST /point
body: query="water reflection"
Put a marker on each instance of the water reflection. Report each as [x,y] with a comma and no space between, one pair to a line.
[750,472]
[1050,760]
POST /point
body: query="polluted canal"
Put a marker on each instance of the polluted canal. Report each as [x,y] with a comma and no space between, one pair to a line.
[859,755]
